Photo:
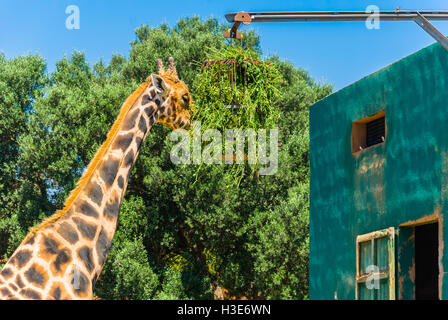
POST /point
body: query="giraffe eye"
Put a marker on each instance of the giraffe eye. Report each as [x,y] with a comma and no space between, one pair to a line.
[185,98]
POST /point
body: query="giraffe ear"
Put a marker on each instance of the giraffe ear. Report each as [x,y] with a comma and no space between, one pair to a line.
[159,83]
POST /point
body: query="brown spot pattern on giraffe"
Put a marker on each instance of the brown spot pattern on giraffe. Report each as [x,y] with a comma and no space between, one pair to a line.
[56,254]
[102,246]
[112,209]
[36,275]
[142,124]
[68,232]
[123,141]
[31,294]
[95,193]
[6,273]
[109,170]
[21,258]
[129,159]
[149,111]
[85,254]
[87,209]
[19,281]
[120,182]
[87,230]
[129,121]
[145,99]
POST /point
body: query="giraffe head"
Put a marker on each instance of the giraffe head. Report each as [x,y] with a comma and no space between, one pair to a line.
[175,110]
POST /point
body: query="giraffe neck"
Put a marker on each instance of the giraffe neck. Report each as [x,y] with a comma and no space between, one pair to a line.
[73,247]
[97,208]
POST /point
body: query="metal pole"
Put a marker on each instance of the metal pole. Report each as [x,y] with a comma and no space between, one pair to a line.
[420,17]
[319,16]
[431,30]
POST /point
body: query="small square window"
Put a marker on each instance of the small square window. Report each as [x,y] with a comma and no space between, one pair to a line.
[368,131]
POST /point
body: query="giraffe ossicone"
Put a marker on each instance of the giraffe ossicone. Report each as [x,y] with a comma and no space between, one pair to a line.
[63,257]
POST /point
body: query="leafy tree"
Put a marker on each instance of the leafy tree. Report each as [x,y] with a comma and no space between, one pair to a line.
[179,235]
[22,80]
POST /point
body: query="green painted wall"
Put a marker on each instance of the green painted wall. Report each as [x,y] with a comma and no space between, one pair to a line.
[401,180]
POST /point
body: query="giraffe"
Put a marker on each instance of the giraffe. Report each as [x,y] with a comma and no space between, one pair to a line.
[63,256]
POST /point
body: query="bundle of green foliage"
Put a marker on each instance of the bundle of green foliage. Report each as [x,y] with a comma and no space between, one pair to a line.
[237,90]
[176,239]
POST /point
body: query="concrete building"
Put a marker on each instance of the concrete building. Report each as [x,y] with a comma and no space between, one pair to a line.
[379,184]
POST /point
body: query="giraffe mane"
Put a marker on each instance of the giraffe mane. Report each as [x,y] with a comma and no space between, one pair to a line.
[82,182]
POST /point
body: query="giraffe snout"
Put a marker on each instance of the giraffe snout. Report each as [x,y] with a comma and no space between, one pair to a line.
[186,125]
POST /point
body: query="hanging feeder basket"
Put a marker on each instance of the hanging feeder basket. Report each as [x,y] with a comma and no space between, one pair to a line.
[236,89]
[237,92]
[233,77]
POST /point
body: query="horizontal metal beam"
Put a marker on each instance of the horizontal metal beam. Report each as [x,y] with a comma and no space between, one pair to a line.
[322,16]
[420,17]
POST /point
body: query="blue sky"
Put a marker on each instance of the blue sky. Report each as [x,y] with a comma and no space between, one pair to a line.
[337,53]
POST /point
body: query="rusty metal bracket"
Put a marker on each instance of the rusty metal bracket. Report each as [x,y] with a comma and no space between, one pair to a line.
[420,17]
[238,18]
